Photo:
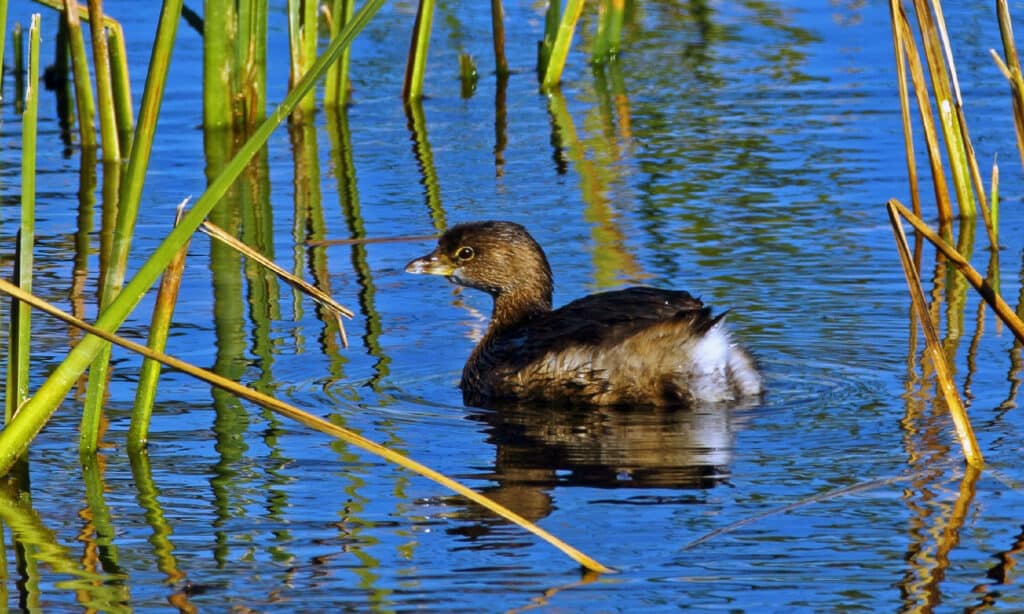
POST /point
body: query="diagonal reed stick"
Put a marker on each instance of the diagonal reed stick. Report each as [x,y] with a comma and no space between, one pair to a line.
[309,420]
[321,297]
[934,347]
[987,292]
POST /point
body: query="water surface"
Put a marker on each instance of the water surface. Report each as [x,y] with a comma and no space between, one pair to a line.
[741,151]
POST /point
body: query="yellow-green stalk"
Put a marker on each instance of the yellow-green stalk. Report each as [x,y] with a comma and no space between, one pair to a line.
[302,45]
[80,70]
[562,44]
[104,88]
[338,87]
[21,319]
[416,65]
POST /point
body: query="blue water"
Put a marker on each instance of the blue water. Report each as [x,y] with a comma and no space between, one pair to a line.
[743,152]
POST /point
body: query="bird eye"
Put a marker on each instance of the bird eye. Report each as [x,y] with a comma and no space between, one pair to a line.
[465,253]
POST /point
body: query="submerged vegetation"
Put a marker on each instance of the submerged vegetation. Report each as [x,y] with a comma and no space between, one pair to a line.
[237,125]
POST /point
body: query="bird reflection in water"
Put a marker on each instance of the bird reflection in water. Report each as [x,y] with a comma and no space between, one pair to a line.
[538,449]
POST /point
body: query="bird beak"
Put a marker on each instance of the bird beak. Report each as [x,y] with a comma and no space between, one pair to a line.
[433,263]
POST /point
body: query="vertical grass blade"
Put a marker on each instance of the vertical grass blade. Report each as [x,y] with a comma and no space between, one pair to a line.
[80,70]
[416,65]
[18,434]
[21,320]
[563,41]
[961,422]
[104,87]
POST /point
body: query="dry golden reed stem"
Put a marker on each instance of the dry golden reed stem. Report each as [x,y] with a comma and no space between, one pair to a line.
[307,419]
[987,292]
[315,293]
[961,422]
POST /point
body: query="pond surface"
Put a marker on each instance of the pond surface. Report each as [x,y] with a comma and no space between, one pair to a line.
[741,151]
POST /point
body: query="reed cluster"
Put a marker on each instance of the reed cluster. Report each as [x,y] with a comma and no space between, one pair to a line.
[234,107]
[940,111]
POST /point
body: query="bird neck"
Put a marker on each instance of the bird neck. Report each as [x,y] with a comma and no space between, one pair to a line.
[515,307]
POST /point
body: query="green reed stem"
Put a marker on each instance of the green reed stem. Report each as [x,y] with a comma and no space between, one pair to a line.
[338,87]
[551,19]
[563,41]
[416,65]
[159,327]
[35,412]
[129,197]
[20,339]
[220,70]
[104,87]
[80,70]
[17,39]
[120,84]
[609,31]
[252,48]
[302,43]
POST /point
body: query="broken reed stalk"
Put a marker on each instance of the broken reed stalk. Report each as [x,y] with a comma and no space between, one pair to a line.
[159,327]
[498,38]
[20,338]
[307,419]
[961,422]
[987,292]
[324,299]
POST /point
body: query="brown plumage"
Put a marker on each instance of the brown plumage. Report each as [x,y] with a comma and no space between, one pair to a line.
[637,346]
